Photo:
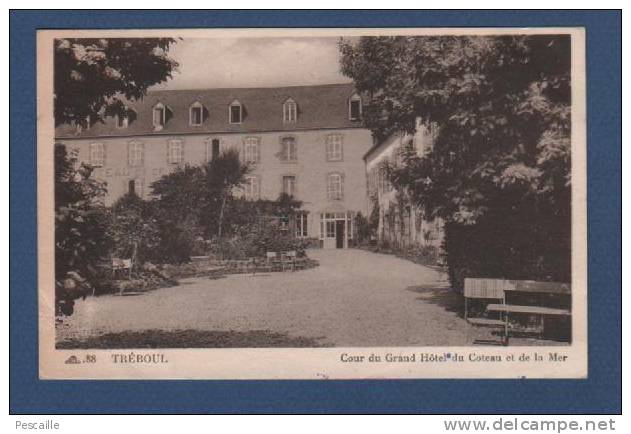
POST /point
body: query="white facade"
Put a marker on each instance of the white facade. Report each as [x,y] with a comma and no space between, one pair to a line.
[400,223]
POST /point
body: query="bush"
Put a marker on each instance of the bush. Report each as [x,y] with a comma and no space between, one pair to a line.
[179,240]
[509,246]
[133,229]
[423,254]
[80,223]
[255,240]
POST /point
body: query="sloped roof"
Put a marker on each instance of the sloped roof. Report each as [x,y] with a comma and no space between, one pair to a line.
[321,106]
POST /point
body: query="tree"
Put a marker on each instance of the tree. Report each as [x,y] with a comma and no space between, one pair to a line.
[191,202]
[180,198]
[94,76]
[499,169]
[80,223]
[222,175]
[133,230]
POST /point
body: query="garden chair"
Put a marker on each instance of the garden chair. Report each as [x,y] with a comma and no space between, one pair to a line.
[301,262]
[252,264]
[288,260]
[271,261]
[121,264]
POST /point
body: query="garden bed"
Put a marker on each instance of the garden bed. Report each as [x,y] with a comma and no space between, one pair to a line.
[152,277]
[428,256]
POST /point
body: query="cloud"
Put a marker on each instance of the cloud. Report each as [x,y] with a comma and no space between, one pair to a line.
[255,62]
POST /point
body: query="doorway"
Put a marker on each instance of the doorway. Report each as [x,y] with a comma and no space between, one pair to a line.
[336,229]
[339,233]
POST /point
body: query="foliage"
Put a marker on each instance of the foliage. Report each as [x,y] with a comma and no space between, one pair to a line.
[256,239]
[80,216]
[421,254]
[178,200]
[133,229]
[197,203]
[373,218]
[224,174]
[256,227]
[499,167]
[365,228]
[181,192]
[190,203]
[92,79]
[80,223]
[92,76]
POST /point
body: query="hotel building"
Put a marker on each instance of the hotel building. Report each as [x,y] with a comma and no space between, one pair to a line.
[401,223]
[306,141]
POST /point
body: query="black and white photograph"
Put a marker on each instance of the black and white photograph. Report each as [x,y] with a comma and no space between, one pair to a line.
[394,203]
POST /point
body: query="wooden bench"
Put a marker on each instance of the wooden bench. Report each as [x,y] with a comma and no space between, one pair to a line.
[482,289]
[535,310]
[502,290]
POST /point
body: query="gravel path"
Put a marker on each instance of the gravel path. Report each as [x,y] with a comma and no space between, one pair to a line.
[354,298]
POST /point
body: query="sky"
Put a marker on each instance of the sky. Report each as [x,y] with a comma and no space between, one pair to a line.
[255,62]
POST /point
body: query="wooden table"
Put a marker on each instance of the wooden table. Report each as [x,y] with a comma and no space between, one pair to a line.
[532,310]
[537,310]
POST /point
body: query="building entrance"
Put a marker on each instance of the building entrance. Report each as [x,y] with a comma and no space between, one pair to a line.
[340,234]
[336,229]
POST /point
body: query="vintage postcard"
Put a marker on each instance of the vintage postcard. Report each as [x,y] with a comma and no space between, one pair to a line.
[312,203]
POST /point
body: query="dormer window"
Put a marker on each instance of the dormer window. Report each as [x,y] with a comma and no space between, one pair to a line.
[290,111]
[196,114]
[122,121]
[124,118]
[235,112]
[355,108]
[159,116]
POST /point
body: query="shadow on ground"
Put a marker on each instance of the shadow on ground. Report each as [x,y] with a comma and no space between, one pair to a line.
[443,296]
[191,339]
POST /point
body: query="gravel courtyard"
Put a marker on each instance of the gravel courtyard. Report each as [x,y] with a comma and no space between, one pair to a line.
[354,298]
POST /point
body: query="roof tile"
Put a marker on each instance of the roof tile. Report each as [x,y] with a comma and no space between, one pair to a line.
[321,106]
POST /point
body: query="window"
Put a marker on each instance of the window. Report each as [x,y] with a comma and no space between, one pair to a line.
[284,222]
[251,153]
[80,126]
[175,151]
[196,114]
[289,185]
[335,186]
[213,148]
[355,108]
[122,121]
[159,116]
[135,186]
[252,188]
[126,117]
[235,113]
[350,227]
[288,150]
[301,225]
[97,154]
[384,178]
[334,147]
[135,153]
[290,111]
[330,228]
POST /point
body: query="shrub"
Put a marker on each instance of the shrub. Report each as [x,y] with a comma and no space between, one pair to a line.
[423,254]
[80,223]
[256,239]
[510,245]
[133,230]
